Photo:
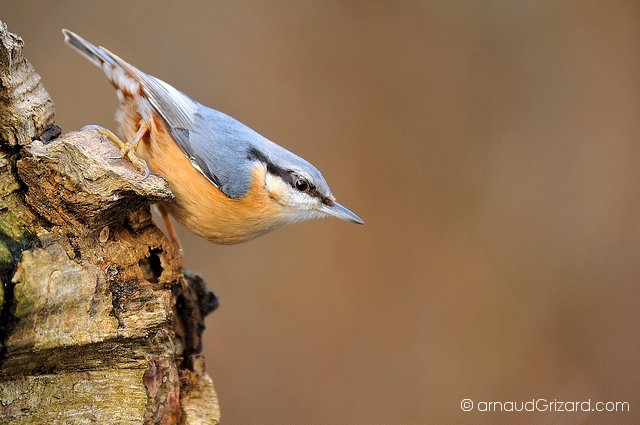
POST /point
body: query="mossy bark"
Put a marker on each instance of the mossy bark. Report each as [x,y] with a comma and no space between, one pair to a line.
[98,321]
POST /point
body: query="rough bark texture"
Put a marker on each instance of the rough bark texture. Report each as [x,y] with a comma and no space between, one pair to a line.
[98,322]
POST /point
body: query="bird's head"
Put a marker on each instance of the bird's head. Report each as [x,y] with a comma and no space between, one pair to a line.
[300,190]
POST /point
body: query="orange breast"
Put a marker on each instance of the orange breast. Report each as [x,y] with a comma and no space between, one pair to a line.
[199,205]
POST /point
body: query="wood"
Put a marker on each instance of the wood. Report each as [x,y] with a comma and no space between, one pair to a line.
[98,321]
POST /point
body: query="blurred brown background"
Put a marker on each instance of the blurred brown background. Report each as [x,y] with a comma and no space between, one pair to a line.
[493,149]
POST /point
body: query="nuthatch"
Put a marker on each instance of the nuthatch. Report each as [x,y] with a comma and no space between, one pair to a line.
[230,183]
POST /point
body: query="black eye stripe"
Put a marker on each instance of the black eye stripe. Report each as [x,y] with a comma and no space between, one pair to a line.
[288,176]
[255,154]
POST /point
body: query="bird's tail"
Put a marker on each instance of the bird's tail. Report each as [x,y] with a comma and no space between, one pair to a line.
[122,75]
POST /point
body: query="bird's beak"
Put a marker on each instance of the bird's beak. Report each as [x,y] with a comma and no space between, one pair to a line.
[338,211]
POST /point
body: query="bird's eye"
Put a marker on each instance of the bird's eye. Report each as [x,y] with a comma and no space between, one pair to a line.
[302,185]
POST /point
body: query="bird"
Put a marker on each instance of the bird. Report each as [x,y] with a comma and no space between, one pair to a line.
[230,184]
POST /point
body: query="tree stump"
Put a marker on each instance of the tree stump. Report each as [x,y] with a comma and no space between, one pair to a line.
[99,322]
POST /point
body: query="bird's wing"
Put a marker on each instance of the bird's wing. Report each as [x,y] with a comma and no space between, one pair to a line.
[216,145]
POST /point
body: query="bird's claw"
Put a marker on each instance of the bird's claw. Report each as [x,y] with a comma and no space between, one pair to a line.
[126,149]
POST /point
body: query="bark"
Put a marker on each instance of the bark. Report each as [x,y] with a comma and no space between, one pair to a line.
[99,322]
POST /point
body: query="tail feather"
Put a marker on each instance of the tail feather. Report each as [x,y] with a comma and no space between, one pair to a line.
[176,108]
[97,55]
[119,72]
